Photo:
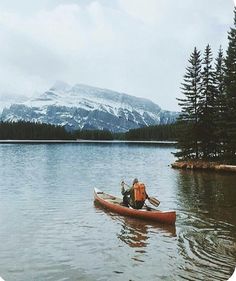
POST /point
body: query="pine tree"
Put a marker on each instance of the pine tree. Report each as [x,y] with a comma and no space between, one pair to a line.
[230,89]
[220,106]
[206,106]
[188,120]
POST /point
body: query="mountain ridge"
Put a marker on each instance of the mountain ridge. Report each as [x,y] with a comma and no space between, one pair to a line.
[86,107]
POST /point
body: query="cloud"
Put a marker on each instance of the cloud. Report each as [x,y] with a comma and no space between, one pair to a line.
[147,12]
[134,46]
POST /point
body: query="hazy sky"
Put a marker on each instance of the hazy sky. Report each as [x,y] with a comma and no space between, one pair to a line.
[139,47]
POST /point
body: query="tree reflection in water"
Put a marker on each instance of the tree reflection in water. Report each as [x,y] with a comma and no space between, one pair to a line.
[206,239]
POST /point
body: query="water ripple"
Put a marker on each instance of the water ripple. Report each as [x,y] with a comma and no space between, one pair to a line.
[51,230]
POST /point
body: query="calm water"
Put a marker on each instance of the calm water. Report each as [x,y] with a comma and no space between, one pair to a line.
[50,228]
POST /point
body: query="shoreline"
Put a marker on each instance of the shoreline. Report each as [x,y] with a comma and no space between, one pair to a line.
[203,165]
[85,141]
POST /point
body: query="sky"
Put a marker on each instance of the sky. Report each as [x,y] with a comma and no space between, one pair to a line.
[139,47]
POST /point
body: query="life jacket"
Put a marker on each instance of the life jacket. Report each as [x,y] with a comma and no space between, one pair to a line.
[139,192]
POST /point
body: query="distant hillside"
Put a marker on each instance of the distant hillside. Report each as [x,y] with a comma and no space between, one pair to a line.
[33,131]
[85,107]
[30,131]
[158,133]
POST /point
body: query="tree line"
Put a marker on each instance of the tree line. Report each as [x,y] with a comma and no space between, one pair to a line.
[22,130]
[93,135]
[157,133]
[207,122]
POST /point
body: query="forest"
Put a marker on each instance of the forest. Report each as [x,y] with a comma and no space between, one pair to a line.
[166,132]
[23,130]
[34,131]
[207,122]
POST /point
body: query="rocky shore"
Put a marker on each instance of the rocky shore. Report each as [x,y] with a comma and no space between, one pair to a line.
[203,165]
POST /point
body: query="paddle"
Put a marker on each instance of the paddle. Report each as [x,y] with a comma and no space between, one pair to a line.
[155,202]
[152,200]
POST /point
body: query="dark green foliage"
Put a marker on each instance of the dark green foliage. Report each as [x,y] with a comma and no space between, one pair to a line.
[230,90]
[220,107]
[206,106]
[93,135]
[32,131]
[208,117]
[118,136]
[157,133]
[188,120]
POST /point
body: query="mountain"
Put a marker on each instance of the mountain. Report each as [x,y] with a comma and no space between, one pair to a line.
[7,99]
[85,107]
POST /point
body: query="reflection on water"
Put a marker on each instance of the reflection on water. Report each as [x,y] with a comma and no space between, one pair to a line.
[206,239]
[210,193]
[50,229]
[132,232]
[135,232]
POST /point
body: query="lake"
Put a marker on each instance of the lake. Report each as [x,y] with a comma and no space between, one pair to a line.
[51,229]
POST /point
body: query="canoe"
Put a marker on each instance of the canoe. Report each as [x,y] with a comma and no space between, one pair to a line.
[113,204]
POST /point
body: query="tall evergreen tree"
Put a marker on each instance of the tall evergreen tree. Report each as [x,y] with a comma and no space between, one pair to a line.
[206,108]
[230,89]
[220,105]
[189,118]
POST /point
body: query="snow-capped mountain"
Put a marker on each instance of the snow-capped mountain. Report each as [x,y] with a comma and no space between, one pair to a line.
[6,100]
[86,107]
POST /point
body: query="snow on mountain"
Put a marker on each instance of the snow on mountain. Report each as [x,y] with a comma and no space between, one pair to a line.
[6,100]
[85,107]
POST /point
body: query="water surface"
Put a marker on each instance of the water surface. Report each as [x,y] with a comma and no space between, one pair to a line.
[51,229]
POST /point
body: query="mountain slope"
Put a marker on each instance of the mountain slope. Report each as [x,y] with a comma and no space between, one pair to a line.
[86,107]
[6,100]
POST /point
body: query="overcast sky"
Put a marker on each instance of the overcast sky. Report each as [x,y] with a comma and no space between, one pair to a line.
[139,47]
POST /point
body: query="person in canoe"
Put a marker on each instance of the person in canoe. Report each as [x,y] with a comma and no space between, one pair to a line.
[135,195]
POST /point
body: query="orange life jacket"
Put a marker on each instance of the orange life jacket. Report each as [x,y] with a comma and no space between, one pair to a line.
[139,192]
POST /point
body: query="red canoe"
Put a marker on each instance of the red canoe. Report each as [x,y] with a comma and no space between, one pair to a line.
[114,204]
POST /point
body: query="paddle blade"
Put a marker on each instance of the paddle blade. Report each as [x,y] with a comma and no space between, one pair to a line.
[155,202]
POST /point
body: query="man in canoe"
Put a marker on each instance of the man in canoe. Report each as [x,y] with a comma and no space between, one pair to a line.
[135,195]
